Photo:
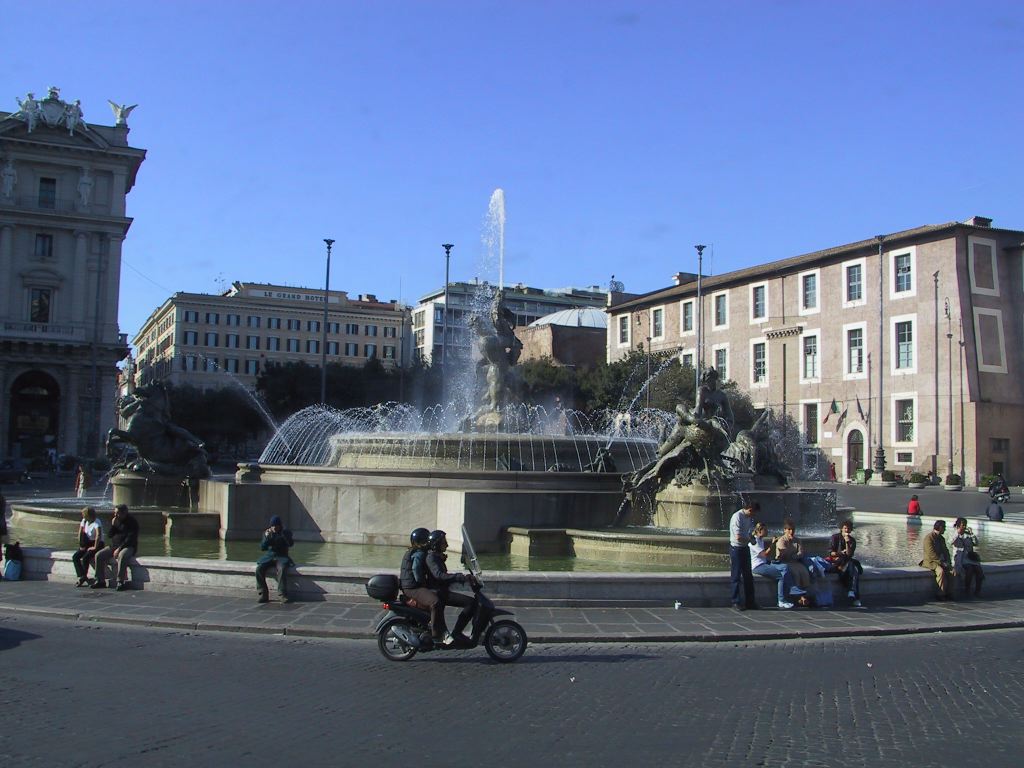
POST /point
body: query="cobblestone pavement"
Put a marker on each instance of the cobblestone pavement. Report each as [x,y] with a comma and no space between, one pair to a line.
[87,694]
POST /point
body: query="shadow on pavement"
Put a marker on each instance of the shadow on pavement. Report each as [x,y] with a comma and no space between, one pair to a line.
[12,638]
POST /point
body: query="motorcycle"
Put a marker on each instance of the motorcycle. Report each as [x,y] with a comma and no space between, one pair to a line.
[999,495]
[403,628]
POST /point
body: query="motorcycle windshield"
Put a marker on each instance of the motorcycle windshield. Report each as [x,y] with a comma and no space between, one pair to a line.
[469,554]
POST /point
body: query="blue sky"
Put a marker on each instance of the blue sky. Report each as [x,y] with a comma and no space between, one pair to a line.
[621,132]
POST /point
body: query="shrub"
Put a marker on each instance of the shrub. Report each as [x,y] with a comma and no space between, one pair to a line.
[917,477]
[986,480]
[953,479]
[888,476]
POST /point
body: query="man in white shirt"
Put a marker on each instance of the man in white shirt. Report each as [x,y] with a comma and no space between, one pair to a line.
[740,527]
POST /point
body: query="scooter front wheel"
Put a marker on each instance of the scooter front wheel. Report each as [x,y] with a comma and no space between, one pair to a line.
[393,647]
[505,641]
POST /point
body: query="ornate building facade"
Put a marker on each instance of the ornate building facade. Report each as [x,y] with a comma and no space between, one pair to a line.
[63,189]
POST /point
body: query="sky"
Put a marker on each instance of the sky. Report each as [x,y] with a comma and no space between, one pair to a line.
[622,133]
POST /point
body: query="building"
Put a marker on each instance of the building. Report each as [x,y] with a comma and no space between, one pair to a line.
[465,299]
[927,322]
[63,189]
[212,340]
[574,338]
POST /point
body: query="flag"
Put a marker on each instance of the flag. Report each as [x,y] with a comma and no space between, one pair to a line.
[842,417]
[834,408]
[861,411]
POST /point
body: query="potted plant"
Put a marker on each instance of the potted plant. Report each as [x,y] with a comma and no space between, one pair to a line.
[917,480]
[952,483]
[984,482]
[888,478]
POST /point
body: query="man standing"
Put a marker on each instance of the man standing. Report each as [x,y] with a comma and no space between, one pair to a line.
[740,527]
[276,541]
[124,541]
[937,560]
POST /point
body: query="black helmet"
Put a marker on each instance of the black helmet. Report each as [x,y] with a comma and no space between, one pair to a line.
[437,541]
[419,537]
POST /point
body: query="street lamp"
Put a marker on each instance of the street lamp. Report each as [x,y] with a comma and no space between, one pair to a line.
[880,450]
[700,322]
[949,339]
[323,350]
[444,327]
[648,373]
[935,454]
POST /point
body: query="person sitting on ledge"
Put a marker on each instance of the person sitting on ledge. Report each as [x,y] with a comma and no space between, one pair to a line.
[967,562]
[841,549]
[124,542]
[760,555]
[276,541]
[914,507]
[937,560]
[790,552]
[90,541]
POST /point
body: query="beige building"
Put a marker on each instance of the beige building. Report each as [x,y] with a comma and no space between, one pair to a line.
[916,336]
[214,340]
[63,189]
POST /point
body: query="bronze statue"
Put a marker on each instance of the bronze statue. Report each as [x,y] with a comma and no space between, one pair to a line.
[753,451]
[163,447]
[499,351]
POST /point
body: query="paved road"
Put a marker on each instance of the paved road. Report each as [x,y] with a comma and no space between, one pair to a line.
[934,501]
[103,695]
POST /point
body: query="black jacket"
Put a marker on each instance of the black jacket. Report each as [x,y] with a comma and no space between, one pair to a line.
[437,572]
[414,573]
[125,533]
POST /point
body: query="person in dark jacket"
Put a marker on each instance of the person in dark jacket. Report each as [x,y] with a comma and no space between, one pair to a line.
[413,581]
[440,579]
[841,549]
[124,544]
[276,541]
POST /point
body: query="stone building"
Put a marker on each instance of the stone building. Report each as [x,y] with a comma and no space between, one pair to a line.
[464,299]
[63,188]
[214,340]
[574,338]
[915,337]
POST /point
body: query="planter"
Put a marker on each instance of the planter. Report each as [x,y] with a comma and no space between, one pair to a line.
[980,489]
[917,486]
[952,487]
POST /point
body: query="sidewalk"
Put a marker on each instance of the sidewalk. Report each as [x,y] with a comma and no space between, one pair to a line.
[353,619]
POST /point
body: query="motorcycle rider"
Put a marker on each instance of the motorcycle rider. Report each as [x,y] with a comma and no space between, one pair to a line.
[440,579]
[413,580]
[998,487]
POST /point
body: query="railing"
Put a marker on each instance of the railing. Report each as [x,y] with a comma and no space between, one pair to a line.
[38,331]
[56,205]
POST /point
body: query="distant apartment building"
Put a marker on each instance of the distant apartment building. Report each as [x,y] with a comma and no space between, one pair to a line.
[916,336]
[212,340]
[63,189]
[465,299]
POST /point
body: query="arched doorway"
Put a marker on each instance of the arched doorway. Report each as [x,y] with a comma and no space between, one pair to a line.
[34,415]
[854,453]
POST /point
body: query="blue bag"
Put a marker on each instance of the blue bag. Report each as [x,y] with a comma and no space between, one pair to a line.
[12,571]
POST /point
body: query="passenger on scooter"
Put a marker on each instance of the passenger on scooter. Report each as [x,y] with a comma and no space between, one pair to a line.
[998,487]
[413,580]
[440,579]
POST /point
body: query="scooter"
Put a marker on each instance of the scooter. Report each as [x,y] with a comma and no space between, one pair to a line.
[403,628]
[998,495]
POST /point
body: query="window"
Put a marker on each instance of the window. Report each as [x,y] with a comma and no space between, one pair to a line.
[191,316]
[313,326]
[293,345]
[722,363]
[48,193]
[389,352]
[904,345]
[904,457]
[809,292]
[811,423]
[657,323]
[211,340]
[312,346]
[758,303]
[855,350]
[252,367]
[210,364]
[189,362]
[294,325]
[370,330]
[760,362]
[623,329]
[390,332]
[274,323]
[904,421]
[854,282]
[687,317]
[369,350]
[212,318]
[810,357]
[44,246]
[231,364]
[253,321]
[234,319]
[352,329]
[438,314]
[999,444]
[351,349]
[231,340]
[688,360]
[39,306]
[721,310]
[903,273]
[332,348]
[191,338]
[252,342]
[273,344]
[334,328]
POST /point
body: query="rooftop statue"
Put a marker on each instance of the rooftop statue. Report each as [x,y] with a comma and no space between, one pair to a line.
[51,111]
[121,112]
[164,448]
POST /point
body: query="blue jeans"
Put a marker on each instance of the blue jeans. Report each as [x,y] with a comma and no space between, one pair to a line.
[850,577]
[739,561]
[780,573]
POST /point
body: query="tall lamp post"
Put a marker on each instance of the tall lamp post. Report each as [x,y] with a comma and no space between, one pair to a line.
[880,451]
[648,373]
[323,350]
[444,323]
[935,455]
[700,322]
[949,357]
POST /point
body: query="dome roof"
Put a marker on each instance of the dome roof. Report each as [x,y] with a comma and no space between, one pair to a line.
[580,317]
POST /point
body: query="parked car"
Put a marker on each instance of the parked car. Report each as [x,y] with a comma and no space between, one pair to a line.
[13,471]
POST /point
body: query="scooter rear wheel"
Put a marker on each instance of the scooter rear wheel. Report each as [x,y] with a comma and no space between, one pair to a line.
[505,641]
[391,645]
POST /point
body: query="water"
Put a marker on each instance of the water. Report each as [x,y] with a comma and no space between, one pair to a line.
[879,545]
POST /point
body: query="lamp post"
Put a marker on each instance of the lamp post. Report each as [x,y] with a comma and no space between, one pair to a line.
[962,353]
[648,373]
[323,350]
[949,339]
[700,322]
[444,327]
[935,455]
[879,450]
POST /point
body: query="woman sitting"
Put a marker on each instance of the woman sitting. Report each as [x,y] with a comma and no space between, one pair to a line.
[760,557]
[966,562]
[790,552]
